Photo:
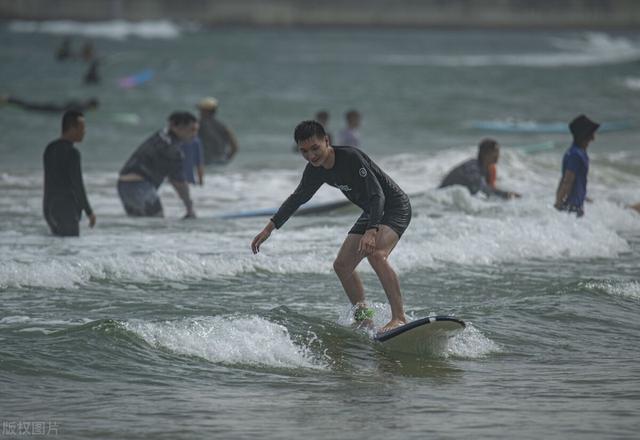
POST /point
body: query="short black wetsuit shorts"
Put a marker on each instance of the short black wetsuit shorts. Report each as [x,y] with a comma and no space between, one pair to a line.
[397,215]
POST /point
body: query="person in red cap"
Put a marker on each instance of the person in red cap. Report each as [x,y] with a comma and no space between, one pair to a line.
[572,190]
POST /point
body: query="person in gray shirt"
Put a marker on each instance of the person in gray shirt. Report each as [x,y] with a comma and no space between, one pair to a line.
[478,174]
[159,157]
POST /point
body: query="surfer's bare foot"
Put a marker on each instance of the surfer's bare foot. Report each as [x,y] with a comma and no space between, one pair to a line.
[394,323]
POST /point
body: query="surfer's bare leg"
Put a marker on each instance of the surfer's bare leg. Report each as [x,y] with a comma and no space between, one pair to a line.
[386,240]
[345,266]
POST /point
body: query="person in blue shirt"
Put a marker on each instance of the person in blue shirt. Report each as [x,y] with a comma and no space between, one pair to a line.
[193,159]
[572,190]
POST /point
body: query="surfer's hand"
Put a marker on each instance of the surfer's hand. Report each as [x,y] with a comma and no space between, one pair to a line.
[368,242]
[92,220]
[262,237]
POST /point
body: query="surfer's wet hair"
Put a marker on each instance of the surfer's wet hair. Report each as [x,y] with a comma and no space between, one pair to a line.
[308,129]
[487,146]
[182,118]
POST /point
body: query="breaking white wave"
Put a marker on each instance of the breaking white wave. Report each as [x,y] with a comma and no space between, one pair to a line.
[115,29]
[593,49]
[228,340]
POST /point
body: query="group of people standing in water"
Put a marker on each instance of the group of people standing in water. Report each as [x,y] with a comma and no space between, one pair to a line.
[386,208]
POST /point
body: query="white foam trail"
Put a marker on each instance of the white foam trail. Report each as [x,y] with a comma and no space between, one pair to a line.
[229,340]
[471,343]
[630,289]
[592,49]
[115,29]
[632,83]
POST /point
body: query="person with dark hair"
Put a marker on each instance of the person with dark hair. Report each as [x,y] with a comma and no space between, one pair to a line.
[64,195]
[219,144]
[81,105]
[478,174]
[350,135]
[159,157]
[386,215]
[572,189]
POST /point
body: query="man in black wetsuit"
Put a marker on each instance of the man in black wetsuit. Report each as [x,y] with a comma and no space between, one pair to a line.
[159,157]
[64,194]
[386,213]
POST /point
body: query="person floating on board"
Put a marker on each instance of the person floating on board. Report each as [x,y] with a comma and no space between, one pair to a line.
[572,189]
[64,195]
[158,157]
[219,144]
[81,105]
[479,174]
[386,214]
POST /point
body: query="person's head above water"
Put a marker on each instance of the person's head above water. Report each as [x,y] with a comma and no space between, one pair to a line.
[488,151]
[183,124]
[313,143]
[73,127]
[583,130]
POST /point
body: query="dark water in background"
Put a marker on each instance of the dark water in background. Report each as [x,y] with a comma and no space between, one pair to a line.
[166,329]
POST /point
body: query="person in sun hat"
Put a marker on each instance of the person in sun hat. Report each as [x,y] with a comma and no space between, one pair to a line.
[572,189]
[219,143]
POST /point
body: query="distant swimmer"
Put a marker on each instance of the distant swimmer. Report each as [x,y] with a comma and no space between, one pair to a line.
[64,195]
[158,157]
[479,174]
[81,105]
[572,189]
[219,143]
[386,214]
[350,135]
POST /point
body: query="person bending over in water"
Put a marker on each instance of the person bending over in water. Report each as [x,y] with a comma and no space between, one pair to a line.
[478,174]
[386,214]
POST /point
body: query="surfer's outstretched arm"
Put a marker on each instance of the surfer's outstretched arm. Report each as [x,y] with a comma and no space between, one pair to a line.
[262,237]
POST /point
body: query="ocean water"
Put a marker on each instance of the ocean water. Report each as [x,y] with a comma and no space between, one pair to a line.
[170,329]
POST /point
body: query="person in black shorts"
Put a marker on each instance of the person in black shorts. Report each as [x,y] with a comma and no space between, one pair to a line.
[386,213]
[64,194]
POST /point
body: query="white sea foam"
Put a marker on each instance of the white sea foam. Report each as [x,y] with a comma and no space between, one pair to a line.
[449,226]
[592,49]
[115,29]
[471,343]
[632,83]
[247,340]
[629,289]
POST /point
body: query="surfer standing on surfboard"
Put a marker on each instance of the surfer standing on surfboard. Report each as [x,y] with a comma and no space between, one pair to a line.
[386,214]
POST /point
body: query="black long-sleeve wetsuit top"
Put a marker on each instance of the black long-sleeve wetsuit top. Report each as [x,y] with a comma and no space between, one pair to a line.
[63,175]
[353,173]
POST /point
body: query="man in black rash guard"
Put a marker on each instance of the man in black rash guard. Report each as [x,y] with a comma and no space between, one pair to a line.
[64,194]
[386,213]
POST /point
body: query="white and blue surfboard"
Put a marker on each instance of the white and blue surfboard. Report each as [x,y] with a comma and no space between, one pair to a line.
[422,336]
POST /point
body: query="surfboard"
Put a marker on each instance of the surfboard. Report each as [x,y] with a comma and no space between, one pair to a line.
[136,79]
[422,336]
[306,209]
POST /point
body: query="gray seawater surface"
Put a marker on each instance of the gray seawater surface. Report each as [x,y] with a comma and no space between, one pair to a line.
[159,328]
